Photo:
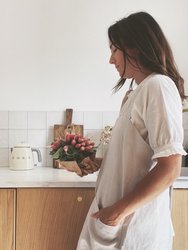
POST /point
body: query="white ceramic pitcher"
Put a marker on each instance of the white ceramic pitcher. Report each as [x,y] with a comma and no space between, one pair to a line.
[22,157]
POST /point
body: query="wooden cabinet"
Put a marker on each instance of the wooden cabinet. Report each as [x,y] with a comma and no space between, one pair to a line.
[42,218]
[180,219]
[7,219]
[51,218]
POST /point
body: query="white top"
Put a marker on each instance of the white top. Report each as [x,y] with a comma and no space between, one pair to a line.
[149,126]
[157,114]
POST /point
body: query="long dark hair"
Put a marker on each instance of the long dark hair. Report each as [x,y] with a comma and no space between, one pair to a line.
[140,31]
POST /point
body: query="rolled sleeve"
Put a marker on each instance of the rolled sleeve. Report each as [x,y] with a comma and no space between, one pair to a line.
[160,110]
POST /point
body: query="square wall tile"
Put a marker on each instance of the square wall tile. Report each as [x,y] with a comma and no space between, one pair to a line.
[17,136]
[37,120]
[78,117]
[4,120]
[18,120]
[4,157]
[37,138]
[109,118]
[4,135]
[55,117]
[93,120]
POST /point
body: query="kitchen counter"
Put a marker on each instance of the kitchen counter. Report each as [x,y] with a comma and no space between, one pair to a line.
[52,177]
[44,177]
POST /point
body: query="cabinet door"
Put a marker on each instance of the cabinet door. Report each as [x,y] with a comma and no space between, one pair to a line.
[7,216]
[180,219]
[51,218]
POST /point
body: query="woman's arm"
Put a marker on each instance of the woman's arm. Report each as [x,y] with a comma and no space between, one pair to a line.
[156,181]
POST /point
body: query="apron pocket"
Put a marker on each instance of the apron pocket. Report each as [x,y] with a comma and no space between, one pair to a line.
[107,236]
[112,230]
[104,236]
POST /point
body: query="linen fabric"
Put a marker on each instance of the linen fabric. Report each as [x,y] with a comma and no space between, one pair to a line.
[149,126]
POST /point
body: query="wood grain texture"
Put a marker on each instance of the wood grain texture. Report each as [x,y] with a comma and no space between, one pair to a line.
[180,219]
[51,218]
[61,130]
[7,218]
[69,113]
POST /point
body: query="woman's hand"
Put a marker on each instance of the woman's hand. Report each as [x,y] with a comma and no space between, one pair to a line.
[156,181]
[108,215]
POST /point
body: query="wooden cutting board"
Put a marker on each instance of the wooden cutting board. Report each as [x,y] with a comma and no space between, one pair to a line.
[60,130]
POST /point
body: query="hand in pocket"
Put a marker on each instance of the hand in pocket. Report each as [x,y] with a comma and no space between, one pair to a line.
[108,216]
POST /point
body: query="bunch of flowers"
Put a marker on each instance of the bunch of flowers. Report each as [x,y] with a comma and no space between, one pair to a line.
[72,148]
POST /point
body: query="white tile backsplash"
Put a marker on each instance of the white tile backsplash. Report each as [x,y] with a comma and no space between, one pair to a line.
[18,120]
[4,120]
[16,136]
[4,157]
[93,120]
[55,117]
[37,120]
[78,117]
[4,135]
[36,129]
[37,138]
[109,118]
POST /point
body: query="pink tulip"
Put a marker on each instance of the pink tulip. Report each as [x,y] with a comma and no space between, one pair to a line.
[73,142]
[78,145]
[65,148]
[82,148]
[56,144]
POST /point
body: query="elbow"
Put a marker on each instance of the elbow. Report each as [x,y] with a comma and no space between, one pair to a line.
[175,168]
[170,168]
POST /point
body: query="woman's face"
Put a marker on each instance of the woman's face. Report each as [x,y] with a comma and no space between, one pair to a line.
[125,69]
[128,67]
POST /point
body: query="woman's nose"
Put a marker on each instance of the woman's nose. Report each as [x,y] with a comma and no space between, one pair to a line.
[111,60]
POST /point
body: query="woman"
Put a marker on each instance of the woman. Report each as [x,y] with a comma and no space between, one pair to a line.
[131,209]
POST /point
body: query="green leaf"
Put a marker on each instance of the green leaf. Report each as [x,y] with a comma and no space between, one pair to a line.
[57,154]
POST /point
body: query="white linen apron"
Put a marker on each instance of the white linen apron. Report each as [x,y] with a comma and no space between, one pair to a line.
[126,162]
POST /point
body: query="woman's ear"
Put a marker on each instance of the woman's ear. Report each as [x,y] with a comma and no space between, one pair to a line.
[133,53]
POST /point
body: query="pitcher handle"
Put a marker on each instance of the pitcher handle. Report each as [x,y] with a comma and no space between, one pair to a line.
[38,154]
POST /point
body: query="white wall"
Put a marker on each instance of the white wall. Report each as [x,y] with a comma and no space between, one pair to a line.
[54,53]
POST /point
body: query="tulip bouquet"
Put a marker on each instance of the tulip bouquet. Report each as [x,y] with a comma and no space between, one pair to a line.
[75,153]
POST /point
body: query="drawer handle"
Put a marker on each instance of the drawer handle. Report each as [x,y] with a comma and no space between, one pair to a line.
[79,198]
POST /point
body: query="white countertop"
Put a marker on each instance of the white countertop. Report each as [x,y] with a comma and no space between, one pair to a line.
[52,177]
[44,177]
